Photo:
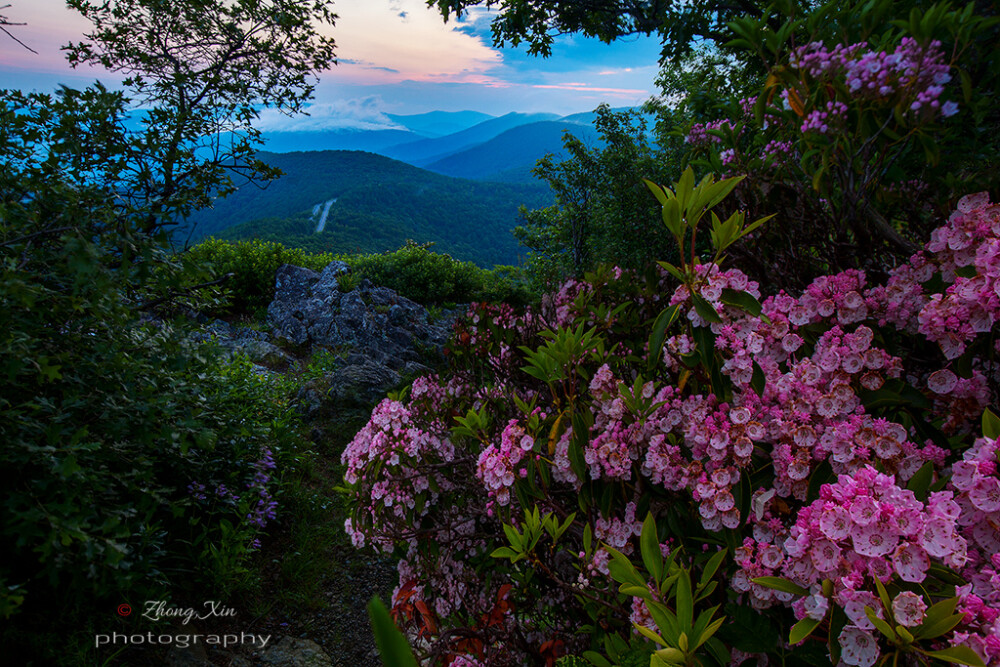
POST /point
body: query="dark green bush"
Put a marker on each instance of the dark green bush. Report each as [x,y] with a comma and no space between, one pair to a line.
[425,276]
[112,422]
[414,271]
[253,265]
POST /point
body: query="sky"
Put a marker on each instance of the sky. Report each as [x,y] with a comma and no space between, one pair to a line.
[395,57]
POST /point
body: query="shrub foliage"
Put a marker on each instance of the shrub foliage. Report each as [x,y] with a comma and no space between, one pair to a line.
[687,470]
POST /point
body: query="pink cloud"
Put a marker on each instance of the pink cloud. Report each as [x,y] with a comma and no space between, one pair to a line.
[585,88]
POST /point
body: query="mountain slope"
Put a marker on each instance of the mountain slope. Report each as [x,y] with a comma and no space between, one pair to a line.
[340,139]
[372,204]
[440,123]
[511,155]
[425,151]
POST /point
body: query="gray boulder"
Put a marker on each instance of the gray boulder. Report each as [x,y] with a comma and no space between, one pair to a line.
[362,384]
[310,309]
[242,340]
[293,652]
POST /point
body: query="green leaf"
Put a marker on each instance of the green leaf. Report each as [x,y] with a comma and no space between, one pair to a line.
[883,596]
[991,425]
[596,659]
[671,215]
[940,610]
[780,584]
[938,627]
[721,190]
[742,300]
[802,629]
[758,381]
[392,645]
[649,634]
[959,655]
[685,601]
[513,536]
[672,270]
[707,634]
[718,651]
[665,620]
[711,568]
[636,591]
[652,557]
[920,483]
[882,626]
[622,570]
[659,333]
[504,552]
[704,309]
[684,187]
[661,195]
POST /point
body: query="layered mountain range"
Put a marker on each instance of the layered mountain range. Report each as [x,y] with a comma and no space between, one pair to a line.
[456,179]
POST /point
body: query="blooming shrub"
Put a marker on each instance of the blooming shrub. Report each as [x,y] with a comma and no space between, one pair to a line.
[621,468]
[845,135]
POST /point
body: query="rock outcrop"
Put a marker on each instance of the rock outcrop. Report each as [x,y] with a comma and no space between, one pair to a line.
[382,336]
[309,308]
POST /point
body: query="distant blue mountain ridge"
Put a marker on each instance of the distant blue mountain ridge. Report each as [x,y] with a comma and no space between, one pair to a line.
[463,144]
[453,178]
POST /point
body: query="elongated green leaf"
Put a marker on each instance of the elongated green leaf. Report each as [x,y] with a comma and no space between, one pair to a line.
[673,220]
[685,601]
[884,597]
[711,568]
[718,651]
[665,620]
[938,627]
[802,629]
[704,309]
[780,584]
[392,645]
[940,610]
[504,552]
[513,536]
[991,425]
[652,558]
[657,191]
[596,659]
[636,591]
[649,634]
[672,270]
[920,483]
[684,187]
[882,626]
[758,381]
[659,333]
[622,570]
[712,628]
[743,300]
[721,190]
[754,225]
[959,655]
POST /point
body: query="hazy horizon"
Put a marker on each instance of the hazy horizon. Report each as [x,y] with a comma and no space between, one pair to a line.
[395,57]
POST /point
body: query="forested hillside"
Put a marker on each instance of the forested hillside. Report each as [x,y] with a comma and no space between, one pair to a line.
[511,155]
[380,204]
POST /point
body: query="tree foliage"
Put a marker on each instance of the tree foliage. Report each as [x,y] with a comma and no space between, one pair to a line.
[856,173]
[678,24]
[202,70]
[602,213]
[113,422]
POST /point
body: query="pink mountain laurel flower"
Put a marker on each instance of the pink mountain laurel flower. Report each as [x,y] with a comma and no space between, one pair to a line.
[908,608]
